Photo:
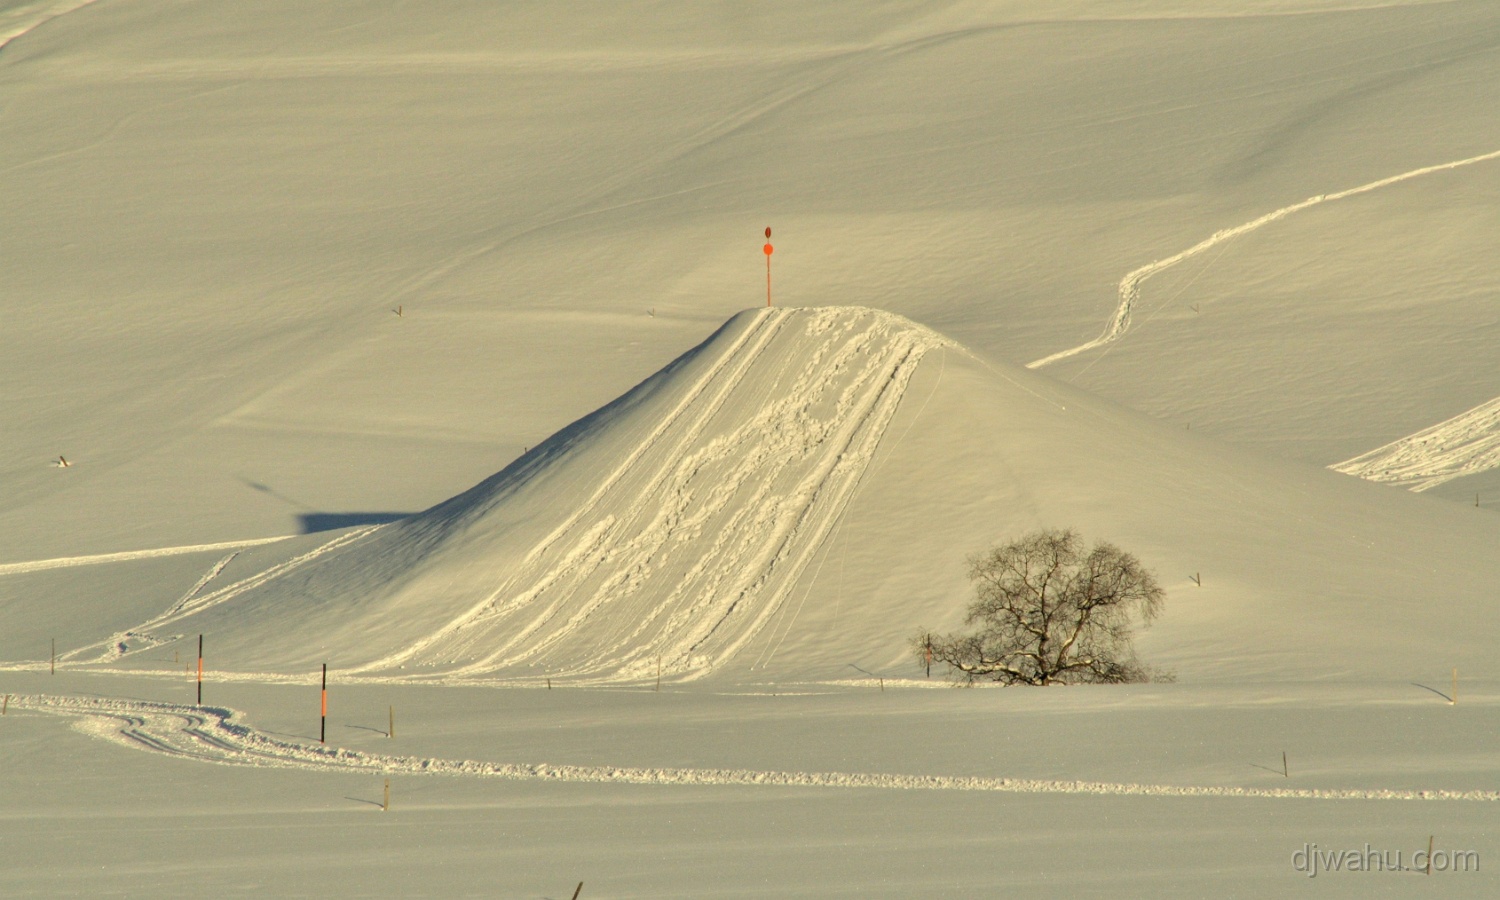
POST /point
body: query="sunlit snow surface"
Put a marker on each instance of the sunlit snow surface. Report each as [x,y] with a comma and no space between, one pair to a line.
[428,341]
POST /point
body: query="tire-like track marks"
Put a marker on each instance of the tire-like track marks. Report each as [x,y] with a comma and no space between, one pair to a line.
[688,548]
[213,735]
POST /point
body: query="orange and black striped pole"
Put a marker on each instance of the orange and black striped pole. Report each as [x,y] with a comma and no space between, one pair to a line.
[323,728]
[767,249]
[200,670]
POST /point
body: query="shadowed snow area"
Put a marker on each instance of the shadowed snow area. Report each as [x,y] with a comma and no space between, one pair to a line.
[795,496]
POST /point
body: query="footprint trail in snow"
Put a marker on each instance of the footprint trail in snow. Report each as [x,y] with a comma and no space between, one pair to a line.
[212,734]
[1463,445]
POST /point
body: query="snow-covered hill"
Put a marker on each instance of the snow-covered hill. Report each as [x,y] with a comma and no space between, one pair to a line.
[277,277]
[795,496]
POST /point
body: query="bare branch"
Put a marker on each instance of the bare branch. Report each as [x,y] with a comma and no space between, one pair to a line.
[1049,611]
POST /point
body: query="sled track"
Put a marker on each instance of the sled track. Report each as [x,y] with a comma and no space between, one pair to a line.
[591,536]
[213,735]
[688,548]
[1463,445]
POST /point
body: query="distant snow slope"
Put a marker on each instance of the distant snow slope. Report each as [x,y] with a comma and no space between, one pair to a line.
[209,217]
[795,496]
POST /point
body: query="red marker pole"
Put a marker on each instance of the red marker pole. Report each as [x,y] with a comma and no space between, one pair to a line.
[200,670]
[767,249]
[323,728]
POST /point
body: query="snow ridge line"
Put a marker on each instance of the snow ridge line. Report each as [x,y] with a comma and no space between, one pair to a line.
[67,562]
[211,734]
[1130,285]
[1463,445]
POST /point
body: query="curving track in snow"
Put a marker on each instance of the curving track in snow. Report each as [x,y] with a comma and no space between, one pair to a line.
[1463,445]
[212,734]
[1130,285]
[685,551]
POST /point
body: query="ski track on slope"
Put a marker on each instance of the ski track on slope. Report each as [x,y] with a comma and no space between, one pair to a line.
[67,562]
[533,558]
[1462,445]
[213,735]
[741,514]
[125,642]
[146,635]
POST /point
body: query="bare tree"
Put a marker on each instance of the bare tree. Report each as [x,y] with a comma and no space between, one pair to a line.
[1050,613]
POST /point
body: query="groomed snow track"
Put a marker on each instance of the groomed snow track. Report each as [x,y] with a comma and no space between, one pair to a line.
[211,734]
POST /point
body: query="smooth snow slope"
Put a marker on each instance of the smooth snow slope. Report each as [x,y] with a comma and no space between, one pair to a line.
[210,210]
[795,496]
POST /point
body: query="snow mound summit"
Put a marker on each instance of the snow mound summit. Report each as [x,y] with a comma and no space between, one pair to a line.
[666,530]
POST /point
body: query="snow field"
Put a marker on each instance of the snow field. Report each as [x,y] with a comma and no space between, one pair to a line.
[210,210]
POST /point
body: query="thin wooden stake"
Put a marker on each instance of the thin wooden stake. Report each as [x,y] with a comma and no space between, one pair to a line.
[1429,854]
[385,806]
[578,890]
[549,684]
[882,684]
[323,725]
[1284,772]
[1197,578]
[6,706]
[767,249]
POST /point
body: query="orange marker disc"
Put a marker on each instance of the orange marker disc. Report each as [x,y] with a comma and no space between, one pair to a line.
[767,248]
